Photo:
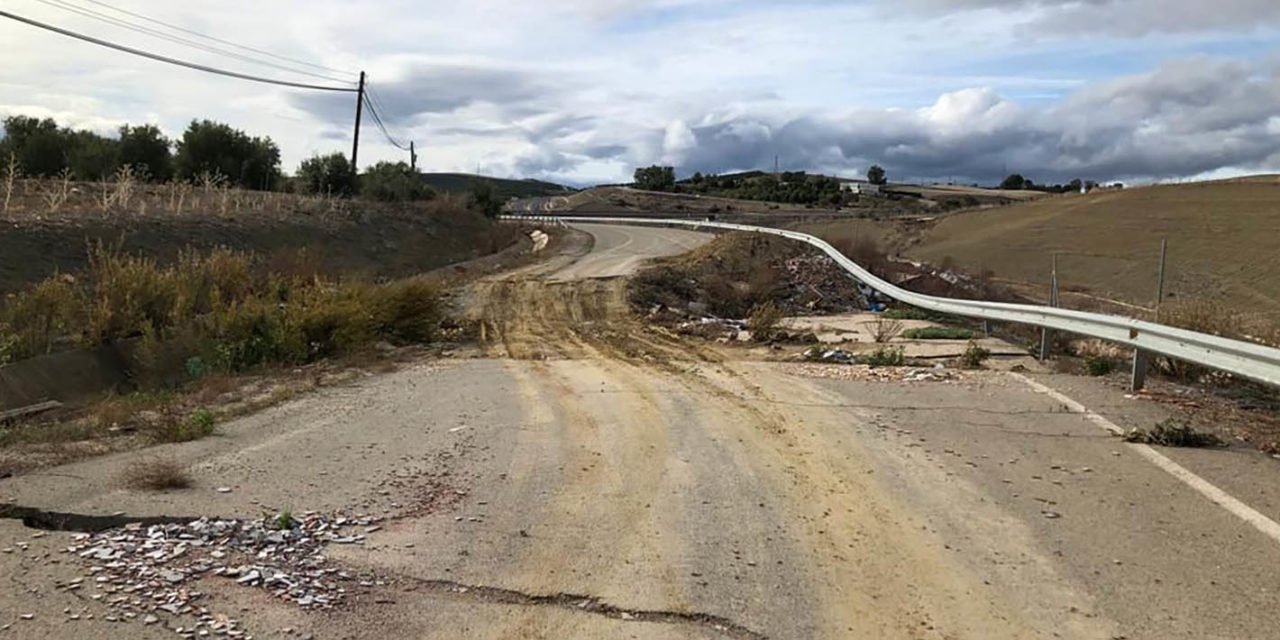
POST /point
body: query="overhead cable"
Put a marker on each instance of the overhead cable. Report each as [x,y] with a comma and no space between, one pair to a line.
[173,61]
[97,15]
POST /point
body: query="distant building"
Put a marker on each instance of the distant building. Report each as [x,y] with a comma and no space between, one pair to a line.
[860,187]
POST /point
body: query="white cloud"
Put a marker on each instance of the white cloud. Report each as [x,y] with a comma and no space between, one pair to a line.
[585,90]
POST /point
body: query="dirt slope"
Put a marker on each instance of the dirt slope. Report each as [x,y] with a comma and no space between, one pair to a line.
[1222,241]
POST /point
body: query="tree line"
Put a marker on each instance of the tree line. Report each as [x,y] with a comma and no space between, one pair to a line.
[792,187]
[39,148]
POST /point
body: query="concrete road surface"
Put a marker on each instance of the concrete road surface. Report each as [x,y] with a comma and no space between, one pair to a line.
[593,478]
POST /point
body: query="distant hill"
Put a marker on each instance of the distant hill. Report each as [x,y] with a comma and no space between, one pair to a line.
[504,188]
[1222,241]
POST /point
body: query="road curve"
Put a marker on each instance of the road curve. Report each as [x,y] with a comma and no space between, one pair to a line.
[592,478]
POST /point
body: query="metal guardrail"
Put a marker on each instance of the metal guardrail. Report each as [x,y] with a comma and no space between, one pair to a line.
[1245,359]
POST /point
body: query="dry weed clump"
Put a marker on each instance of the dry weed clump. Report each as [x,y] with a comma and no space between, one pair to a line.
[1204,316]
[155,474]
[763,321]
[885,329]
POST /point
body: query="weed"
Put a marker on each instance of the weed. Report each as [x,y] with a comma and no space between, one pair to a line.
[1174,433]
[884,357]
[1097,366]
[885,329]
[763,321]
[157,474]
[56,194]
[939,333]
[194,427]
[1204,316]
[974,355]
[281,521]
[11,173]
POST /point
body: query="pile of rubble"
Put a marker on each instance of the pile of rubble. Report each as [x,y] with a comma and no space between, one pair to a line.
[140,571]
[878,374]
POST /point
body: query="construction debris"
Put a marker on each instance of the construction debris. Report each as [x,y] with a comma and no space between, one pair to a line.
[144,571]
[877,374]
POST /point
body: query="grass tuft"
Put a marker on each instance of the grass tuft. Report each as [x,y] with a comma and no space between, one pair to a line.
[156,474]
[884,357]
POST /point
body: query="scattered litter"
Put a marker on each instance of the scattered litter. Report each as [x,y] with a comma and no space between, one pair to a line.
[457,429]
[223,489]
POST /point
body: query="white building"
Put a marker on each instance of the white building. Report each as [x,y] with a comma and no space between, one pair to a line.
[860,187]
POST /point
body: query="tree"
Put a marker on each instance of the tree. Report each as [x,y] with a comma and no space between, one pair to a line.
[328,175]
[655,178]
[484,199]
[216,148]
[90,156]
[876,175]
[147,150]
[394,182]
[38,145]
[1014,182]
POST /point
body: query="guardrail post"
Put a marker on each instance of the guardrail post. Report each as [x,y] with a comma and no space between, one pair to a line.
[1141,363]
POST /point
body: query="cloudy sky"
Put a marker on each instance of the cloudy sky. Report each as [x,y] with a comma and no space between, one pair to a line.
[583,91]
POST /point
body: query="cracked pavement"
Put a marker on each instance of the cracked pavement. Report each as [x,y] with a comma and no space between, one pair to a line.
[589,478]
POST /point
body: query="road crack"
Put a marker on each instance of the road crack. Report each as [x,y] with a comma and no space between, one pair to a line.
[585,604]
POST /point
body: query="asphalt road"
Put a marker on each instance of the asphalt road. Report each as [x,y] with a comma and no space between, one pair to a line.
[698,494]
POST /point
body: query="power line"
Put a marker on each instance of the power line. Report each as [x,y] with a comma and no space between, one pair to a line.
[173,61]
[97,15]
[377,120]
[219,40]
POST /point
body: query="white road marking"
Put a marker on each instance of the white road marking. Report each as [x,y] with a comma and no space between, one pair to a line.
[1203,487]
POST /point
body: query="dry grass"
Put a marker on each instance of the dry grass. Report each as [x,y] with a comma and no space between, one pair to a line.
[885,329]
[155,474]
[1221,242]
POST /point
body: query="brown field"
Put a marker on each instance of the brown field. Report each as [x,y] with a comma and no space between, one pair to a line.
[1224,242]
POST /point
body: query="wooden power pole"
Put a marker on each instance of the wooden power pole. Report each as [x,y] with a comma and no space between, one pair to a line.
[355,143]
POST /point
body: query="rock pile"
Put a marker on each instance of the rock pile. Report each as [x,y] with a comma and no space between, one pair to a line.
[141,571]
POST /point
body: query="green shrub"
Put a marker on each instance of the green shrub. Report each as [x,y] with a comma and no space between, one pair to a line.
[938,333]
[394,182]
[1097,366]
[974,355]
[884,357]
[916,313]
[327,175]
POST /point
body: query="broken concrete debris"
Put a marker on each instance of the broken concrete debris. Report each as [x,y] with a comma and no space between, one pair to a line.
[143,571]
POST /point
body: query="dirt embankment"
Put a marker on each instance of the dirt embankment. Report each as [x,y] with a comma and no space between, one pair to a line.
[377,240]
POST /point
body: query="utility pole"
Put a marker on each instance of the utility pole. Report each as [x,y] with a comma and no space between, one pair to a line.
[355,143]
[413,157]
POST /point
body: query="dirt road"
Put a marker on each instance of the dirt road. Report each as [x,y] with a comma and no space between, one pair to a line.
[591,477]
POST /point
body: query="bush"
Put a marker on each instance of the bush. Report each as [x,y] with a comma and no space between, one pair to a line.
[763,321]
[974,355]
[1097,366]
[328,175]
[394,182]
[884,357]
[209,311]
[885,329]
[939,333]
